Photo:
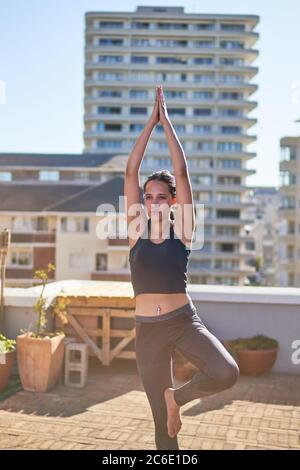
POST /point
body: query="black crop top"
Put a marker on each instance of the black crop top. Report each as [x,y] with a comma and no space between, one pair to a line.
[158,267]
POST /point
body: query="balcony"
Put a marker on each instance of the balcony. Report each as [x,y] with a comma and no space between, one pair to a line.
[259,412]
[33,237]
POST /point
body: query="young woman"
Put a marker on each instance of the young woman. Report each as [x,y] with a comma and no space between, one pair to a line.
[165,316]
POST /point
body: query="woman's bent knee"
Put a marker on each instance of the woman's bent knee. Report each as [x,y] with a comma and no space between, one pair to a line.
[227,376]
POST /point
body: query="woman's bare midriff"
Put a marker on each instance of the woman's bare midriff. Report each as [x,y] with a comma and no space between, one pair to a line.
[146,304]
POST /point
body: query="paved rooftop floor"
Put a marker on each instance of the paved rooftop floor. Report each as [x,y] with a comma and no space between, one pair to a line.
[112,412]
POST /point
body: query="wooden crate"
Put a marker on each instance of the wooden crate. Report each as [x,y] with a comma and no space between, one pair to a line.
[105,324]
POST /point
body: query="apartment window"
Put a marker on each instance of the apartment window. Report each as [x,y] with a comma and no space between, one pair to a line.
[171,43]
[159,146]
[140,42]
[179,127]
[231,44]
[229,180]
[288,153]
[204,78]
[291,227]
[230,95]
[138,111]
[226,264]
[171,60]
[288,178]
[176,111]
[52,175]
[170,77]
[201,163]
[109,110]
[204,180]
[113,127]
[231,231]
[205,26]
[228,112]
[228,214]
[140,25]
[204,146]
[202,112]
[229,147]
[175,94]
[110,42]
[202,129]
[109,144]
[230,130]
[138,94]
[203,95]
[21,224]
[137,59]
[110,76]
[110,59]
[205,44]
[81,175]
[109,93]
[79,261]
[111,24]
[75,224]
[203,60]
[232,27]
[230,163]
[101,262]
[21,258]
[231,78]
[204,196]
[136,127]
[228,197]
[5,176]
[232,61]
[40,224]
[288,202]
[172,25]
[139,76]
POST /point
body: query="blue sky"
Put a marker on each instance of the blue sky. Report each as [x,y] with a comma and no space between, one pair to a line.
[42,60]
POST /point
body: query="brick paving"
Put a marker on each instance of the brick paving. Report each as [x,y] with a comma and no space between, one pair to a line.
[112,412]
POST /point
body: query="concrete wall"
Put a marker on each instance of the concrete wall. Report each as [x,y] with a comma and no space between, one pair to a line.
[228,312]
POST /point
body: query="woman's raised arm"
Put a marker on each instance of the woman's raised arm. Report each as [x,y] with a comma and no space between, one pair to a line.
[137,153]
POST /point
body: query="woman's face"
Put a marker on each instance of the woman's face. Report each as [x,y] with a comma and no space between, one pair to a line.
[157,198]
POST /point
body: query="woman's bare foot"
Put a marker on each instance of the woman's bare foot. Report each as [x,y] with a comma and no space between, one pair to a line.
[174,422]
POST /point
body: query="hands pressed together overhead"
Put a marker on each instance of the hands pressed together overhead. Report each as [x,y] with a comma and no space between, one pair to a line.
[160,112]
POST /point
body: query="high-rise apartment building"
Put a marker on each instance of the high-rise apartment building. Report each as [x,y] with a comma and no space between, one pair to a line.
[205,64]
[290,212]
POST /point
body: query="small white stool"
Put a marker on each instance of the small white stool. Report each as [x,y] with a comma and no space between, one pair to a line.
[76,364]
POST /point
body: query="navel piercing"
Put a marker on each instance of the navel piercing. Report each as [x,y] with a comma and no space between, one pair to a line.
[158,309]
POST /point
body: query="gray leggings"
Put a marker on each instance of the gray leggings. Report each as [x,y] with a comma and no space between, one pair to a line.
[156,337]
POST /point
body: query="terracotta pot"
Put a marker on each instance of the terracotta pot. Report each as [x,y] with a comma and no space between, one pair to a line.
[256,362]
[40,361]
[6,364]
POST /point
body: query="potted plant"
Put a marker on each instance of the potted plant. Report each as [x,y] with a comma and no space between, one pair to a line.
[7,349]
[255,355]
[41,353]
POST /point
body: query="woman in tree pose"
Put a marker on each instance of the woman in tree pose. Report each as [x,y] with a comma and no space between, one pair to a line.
[165,317]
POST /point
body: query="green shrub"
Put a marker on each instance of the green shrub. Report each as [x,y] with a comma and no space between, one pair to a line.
[6,345]
[253,343]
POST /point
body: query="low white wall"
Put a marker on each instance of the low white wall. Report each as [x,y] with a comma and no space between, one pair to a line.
[228,312]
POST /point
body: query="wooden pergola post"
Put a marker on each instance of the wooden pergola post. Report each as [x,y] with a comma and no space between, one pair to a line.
[4,245]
